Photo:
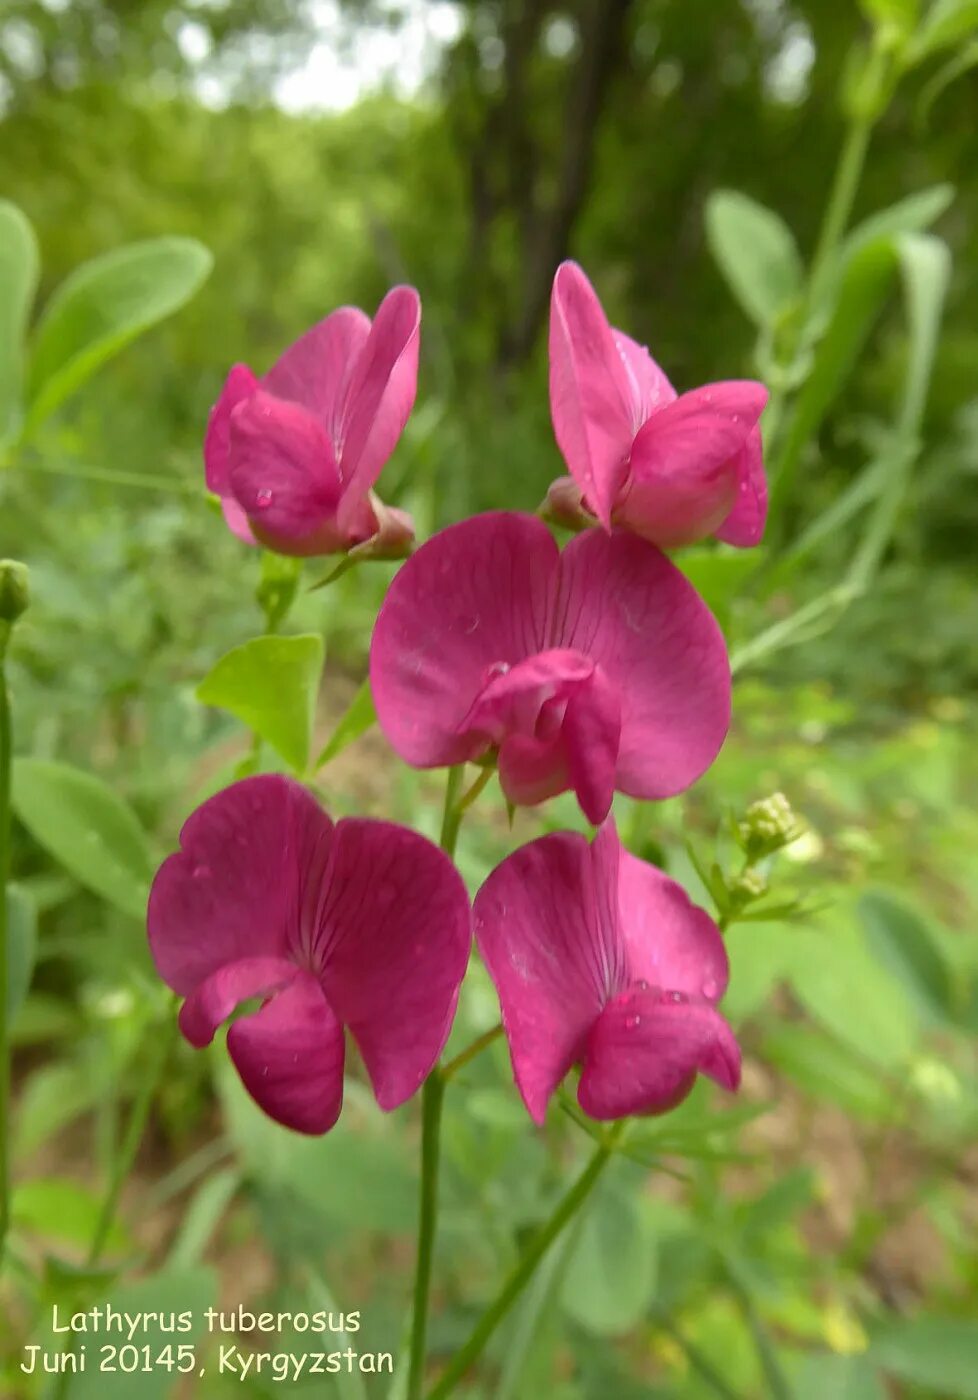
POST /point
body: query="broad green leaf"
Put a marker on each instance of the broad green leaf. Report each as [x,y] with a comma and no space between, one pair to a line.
[760,955]
[358,717]
[270,684]
[756,252]
[64,1211]
[21,948]
[831,1377]
[610,1274]
[19,268]
[88,828]
[187,1293]
[925,262]
[54,1096]
[902,942]
[831,963]
[105,304]
[821,1066]
[947,22]
[940,1353]
[911,215]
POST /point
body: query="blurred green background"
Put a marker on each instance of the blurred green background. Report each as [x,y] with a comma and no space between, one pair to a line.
[323,151]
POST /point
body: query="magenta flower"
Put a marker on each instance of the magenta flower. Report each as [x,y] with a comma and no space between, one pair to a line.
[591,670]
[293,456]
[670,468]
[363,925]
[601,960]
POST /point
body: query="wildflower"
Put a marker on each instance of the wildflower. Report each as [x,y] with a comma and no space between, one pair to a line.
[671,468]
[293,456]
[601,960]
[363,925]
[595,669]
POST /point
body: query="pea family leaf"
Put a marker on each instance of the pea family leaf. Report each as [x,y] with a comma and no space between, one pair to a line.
[610,1274]
[270,684]
[19,268]
[86,826]
[102,306]
[756,252]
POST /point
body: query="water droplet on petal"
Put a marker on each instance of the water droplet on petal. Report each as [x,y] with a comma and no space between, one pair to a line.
[200,872]
[710,988]
[676,996]
[642,985]
[632,1021]
[263,498]
[499,668]
[469,624]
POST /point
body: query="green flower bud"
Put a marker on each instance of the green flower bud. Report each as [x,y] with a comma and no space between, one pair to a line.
[14,591]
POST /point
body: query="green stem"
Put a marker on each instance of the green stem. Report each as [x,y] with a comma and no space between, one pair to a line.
[520,1276]
[111,477]
[4,875]
[432,1097]
[699,1361]
[777,1381]
[126,1155]
[470,1051]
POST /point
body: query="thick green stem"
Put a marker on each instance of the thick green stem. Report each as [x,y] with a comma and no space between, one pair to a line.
[4,875]
[520,1276]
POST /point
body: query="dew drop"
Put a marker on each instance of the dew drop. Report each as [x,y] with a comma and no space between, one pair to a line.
[642,985]
[632,1021]
[499,668]
[200,872]
[710,988]
[676,996]
[469,624]
[263,498]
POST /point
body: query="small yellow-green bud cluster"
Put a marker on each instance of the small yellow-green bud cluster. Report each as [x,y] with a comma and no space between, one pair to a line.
[768,826]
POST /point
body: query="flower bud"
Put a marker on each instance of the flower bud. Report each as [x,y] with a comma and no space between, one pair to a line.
[14,590]
[767,826]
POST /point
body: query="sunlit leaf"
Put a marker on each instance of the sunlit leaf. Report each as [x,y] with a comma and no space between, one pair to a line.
[756,252]
[271,684]
[86,826]
[105,304]
[19,268]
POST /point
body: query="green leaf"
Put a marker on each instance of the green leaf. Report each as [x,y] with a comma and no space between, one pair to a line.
[105,304]
[903,943]
[610,1274]
[947,22]
[756,252]
[827,963]
[21,948]
[821,1066]
[202,1217]
[911,215]
[902,13]
[186,1292]
[718,575]
[760,955]
[358,717]
[270,684]
[925,262]
[63,1211]
[946,75]
[827,1376]
[88,828]
[940,1353]
[19,269]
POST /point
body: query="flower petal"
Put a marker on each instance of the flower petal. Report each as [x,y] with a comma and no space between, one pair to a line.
[591,392]
[744,526]
[546,925]
[236,520]
[682,481]
[395,931]
[283,473]
[239,385]
[623,604]
[235,888]
[213,1000]
[290,1054]
[474,597]
[671,942]
[650,389]
[645,1050]
[381,395]
[316,371]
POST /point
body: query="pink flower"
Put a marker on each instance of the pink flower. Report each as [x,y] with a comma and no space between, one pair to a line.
[591,670]
[293,456]
[601,960]
[670,468]
[363,925]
